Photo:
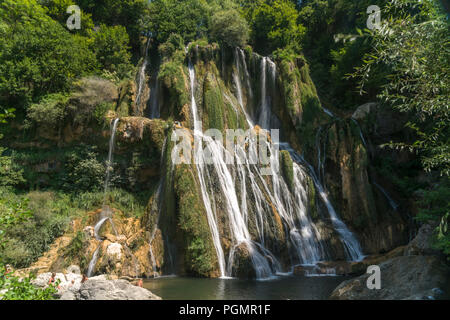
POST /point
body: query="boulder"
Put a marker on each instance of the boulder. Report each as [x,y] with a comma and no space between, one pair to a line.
[404,277]
[422,243]
[99,289]
[364,110]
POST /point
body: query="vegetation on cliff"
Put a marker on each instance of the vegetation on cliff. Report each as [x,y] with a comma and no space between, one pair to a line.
[65,86]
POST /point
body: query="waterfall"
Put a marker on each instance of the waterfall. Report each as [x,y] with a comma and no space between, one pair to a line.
[158,197]
[109,167]
[247,75]
[391,201]
[106,213]
[239,55]
[351,245]
[92,263]
[141,77]
[360,133]
[244,182]
[154,98]
[201,175]
[237,220]
[328,112]
[264,116]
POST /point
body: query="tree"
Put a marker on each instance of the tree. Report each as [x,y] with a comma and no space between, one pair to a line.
[110,45]
[413,46]
[273,25]
[37,55]
[229,27]
[187,18]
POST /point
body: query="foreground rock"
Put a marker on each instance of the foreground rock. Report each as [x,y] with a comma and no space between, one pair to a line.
[95,288]
[404,277]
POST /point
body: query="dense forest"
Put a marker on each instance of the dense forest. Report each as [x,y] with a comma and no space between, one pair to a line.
[57,85]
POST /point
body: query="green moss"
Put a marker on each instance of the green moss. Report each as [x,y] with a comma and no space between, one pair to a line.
[312,199]
[213,104]
[172,77]
[287,168]
[200,255]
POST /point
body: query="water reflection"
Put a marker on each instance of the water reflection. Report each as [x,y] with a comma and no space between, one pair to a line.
[283,288]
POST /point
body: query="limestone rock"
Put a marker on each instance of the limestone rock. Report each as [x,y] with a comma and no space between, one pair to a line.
[421,244]
[94,289]
[405,277]
[364,110]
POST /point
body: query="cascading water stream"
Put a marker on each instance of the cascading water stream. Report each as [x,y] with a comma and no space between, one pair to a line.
[141,77]
[290,205]
[154,98]
[264,119]
[391,201]
[237,220]
[158,204]
[351,245]
[106,213]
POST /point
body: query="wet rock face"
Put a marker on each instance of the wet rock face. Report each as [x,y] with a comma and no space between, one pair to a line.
[405,277]
[242,263]
[362,206]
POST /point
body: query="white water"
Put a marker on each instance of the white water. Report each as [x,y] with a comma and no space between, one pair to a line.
[141,77]
[109,167]
[158,208]
[391,201]
[264,116]
[92,263]
[154,98]
[105,215]
[351,245]
[290,205]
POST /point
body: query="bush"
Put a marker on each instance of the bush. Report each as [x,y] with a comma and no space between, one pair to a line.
[50,216]
[50,111]
[22,289]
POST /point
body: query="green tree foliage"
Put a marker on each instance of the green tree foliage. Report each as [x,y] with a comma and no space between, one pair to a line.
[110,45]
[37,55]
[22,289]
[273,24]
[187,18]
[413,46]
[83,171]
[57,10]
[125,13]
[228,26]
[416,50]
[50,111]
[12,214]
[334,47]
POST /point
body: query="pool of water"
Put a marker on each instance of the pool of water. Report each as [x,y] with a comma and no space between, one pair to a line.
[282,288]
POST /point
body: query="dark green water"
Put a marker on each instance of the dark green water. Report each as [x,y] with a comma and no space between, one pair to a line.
[288,287]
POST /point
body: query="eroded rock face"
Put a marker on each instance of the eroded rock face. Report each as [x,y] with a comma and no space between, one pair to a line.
[405,277]
[360,204]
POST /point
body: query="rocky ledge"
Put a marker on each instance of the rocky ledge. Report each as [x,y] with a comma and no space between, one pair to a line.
[95,288]
[413,272]
[402,278]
